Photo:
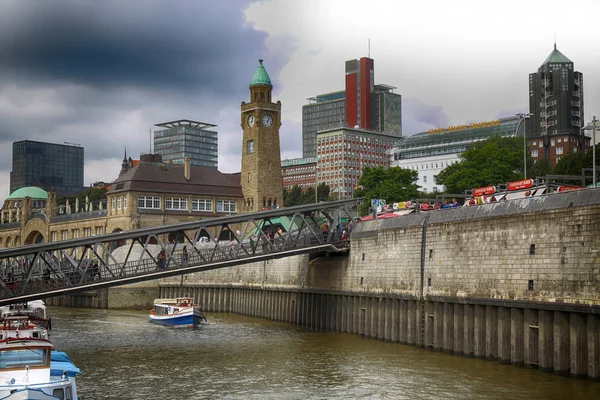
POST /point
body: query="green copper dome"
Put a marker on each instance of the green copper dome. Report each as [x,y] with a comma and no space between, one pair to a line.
[556,57]
[260,76]
[29,191]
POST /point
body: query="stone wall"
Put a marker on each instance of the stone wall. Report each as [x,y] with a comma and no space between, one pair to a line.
[542,249]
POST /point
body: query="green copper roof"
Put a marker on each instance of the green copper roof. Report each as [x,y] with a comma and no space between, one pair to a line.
[557,57]
[29,191]
[260,76]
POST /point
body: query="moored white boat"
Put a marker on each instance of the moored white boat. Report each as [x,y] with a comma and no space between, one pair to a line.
[29,370]
[23,326]
[176,312]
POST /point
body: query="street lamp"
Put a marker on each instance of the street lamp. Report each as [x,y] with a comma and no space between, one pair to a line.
[523,116]
[593,149]
[316,183]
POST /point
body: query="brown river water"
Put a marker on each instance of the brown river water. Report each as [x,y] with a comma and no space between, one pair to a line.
[122,355]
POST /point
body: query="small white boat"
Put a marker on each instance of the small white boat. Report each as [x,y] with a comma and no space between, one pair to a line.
[177,312]
[29,370]
[23,326]
[34,307]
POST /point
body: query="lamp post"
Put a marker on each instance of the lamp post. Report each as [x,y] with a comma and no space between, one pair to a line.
[593,128]
[594,151]
[523,116]
[316,183]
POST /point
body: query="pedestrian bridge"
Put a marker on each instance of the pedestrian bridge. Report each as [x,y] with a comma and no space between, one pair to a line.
[58,268]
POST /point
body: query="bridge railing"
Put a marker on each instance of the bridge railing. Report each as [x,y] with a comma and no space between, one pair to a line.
[45,270]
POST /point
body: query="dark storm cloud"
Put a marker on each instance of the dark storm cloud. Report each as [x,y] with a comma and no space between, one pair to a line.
[181,45]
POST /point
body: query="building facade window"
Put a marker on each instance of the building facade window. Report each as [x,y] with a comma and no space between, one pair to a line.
[250,148]
[119,202]
[202,205]
[114,203]
[534,153]
[226,206]
[149,202]
[174,203]
[125,202]
[559,150]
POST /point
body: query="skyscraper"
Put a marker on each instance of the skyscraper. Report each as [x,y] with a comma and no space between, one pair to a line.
[556,102]
[187,138]
[362,104]
[53,167]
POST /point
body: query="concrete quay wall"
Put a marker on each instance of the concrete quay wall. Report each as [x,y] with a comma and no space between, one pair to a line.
[563,342]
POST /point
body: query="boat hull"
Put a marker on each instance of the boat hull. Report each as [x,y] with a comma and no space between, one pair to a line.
[37,391]
[190,318]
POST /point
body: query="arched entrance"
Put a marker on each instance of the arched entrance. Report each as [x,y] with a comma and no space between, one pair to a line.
[35,237]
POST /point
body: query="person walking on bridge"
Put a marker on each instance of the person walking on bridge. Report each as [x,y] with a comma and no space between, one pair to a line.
[184,256]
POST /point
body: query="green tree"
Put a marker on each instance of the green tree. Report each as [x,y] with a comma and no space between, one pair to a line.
[323,191]
[487,162]
[296,196]
[392,185]
[573,163]
[292,198]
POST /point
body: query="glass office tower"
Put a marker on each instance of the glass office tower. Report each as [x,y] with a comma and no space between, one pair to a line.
[53,167]
[187,138]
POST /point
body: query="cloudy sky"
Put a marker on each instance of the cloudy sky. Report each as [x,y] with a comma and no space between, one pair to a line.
[102,73]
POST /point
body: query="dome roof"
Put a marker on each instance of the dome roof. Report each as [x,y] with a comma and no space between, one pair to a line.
[29,191]
[260,76]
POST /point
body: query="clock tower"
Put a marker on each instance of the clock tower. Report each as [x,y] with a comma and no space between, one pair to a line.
[261,157]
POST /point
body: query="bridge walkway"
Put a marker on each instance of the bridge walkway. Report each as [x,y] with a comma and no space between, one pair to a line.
[51,269]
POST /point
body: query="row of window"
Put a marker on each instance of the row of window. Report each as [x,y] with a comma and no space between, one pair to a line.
[179,204]
[442,164]
[119,202]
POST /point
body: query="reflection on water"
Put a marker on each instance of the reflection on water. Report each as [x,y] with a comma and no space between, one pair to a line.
[123,355]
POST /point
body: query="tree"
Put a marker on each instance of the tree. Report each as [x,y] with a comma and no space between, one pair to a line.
[323,191]
[292,198]
[296,196]
[392,185]
[487,162]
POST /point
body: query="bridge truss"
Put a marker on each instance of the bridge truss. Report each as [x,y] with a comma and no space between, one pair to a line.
[65,267]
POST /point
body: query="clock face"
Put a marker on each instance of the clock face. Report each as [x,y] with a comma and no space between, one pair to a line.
[267,120]
[251,121]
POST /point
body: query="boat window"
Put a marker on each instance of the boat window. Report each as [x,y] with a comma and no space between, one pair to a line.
[15,358]
[68,396]
[58,393]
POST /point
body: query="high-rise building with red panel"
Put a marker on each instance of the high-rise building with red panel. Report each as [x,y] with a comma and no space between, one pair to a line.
[359,92]
[363,104]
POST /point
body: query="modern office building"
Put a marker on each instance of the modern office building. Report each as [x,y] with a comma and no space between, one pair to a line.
[556,105]
[362,104]
[430,152]
[298,171]
[185,138]
[53,167]
[342,154]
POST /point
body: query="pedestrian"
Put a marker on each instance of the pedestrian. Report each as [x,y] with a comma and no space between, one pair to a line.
[252,244]
[96,270]
[161,260]
[184,256]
